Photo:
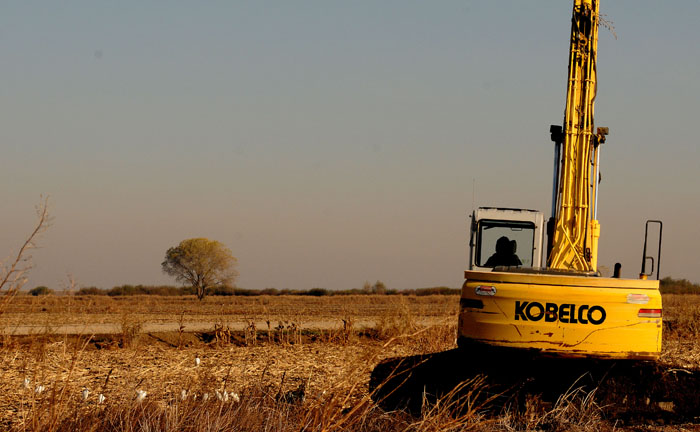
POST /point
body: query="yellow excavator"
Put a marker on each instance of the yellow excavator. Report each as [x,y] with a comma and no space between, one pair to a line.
[562,306]
[536,317]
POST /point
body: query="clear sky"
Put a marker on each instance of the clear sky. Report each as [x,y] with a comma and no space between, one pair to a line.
[327,143]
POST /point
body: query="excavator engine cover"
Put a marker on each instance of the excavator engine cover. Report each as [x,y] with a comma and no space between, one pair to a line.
[564,315]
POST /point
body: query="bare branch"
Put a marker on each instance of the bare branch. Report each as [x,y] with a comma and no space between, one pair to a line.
[13,277]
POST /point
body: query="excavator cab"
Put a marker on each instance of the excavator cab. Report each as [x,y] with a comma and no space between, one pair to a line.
[490,226]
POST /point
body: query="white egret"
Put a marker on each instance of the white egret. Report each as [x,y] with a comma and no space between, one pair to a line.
[140,395]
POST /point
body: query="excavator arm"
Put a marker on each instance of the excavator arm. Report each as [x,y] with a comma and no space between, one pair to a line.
[574,229]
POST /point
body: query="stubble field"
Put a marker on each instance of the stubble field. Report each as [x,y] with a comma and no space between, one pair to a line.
[272,363]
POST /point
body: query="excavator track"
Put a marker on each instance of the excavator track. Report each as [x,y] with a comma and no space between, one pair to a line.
[630,391]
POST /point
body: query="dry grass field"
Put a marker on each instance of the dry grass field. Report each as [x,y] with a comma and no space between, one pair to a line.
[265,364]
[303,311]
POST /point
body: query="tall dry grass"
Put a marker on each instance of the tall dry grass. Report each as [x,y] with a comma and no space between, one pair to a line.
[190,396]
[256,409]
[52,399]
[682,316]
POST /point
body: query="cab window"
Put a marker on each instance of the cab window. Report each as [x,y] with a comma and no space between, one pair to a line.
[493,250]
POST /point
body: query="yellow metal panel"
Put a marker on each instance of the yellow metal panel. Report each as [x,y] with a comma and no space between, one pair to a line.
[564,315]
[560,280]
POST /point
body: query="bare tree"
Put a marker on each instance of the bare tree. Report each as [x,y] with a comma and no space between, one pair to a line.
[13,273]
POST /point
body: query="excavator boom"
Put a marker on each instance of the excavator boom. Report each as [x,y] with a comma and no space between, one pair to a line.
[574,240]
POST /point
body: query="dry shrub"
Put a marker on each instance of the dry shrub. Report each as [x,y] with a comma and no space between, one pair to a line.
[180,329]
[687,321]
[287,331]
[681,335]
[347,331]
[250,333]
[576,410]
[457,410]
[397,321]
[435,338]
[222,334]
[131,327]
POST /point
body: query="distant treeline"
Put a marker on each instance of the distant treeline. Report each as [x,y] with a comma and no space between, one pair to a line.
[168,290]
[679,286]
[668,286]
